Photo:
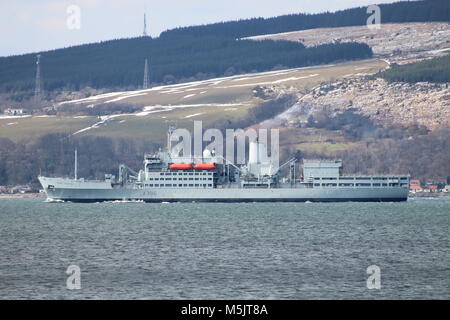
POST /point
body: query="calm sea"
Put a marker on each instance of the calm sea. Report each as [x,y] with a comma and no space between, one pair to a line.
[225,251]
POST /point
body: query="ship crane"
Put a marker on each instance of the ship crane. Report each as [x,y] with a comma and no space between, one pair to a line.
[290,162]
[125,173]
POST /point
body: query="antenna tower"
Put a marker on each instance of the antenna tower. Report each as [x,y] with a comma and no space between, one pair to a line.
[145,26]
[37,88]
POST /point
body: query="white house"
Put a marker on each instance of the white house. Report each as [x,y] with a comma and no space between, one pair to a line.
[14,112]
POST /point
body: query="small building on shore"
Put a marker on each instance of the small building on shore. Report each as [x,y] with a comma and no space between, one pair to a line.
[15,112]
[415,186]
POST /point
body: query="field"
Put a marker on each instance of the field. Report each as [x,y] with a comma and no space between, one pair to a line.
[181,104]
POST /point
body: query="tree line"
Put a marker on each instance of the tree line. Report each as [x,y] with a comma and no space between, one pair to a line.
[434,70]
[423,157]
[399,12]
[53,155]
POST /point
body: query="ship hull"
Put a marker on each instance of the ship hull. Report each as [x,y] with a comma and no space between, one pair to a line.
[99,191]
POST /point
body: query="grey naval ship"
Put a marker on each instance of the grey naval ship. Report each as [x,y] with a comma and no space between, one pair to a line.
[166,177]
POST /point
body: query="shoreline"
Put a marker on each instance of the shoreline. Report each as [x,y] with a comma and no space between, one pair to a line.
[22,195]
[428,195]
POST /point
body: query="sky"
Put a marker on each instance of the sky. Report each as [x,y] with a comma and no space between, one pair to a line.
[37,25]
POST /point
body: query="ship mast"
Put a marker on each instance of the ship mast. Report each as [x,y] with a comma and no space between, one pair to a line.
[169,138]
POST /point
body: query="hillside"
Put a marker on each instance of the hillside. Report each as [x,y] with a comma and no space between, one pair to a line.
[393,41]
[387,104]
[120,63]
[207,100]
[199,53]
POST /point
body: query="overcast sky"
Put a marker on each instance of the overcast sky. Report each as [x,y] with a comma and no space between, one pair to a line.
[36,25]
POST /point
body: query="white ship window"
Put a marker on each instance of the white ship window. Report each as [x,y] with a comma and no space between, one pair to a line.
[209,185]
[156,185]
[150,185]
[184,185]
[168,185]
[180,185]
[377,184]
[191,185]
[316,184]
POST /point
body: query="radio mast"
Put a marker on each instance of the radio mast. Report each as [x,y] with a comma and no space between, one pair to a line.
[145,26]
[38,88]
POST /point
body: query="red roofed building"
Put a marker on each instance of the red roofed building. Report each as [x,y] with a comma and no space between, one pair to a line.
[414,186]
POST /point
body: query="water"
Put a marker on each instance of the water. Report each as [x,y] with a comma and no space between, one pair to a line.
[224,251]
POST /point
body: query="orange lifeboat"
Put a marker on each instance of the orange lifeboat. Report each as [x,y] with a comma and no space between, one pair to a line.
[180,166]
[205,166]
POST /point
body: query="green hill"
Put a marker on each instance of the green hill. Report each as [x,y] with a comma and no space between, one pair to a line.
[201,52]
[120,63]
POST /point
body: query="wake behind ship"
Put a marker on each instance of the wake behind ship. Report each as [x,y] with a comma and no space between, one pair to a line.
[167,177]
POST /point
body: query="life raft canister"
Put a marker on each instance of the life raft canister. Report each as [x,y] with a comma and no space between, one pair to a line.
[205,166]
[180,166]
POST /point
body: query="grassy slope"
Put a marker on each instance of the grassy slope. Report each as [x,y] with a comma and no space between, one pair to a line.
[236,90]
